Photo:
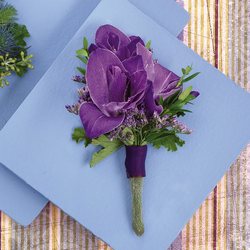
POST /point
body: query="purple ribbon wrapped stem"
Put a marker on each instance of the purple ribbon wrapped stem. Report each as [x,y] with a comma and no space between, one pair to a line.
[135,161]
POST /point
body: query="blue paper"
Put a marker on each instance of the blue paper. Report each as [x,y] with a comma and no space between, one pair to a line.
[99,198]
[49,36]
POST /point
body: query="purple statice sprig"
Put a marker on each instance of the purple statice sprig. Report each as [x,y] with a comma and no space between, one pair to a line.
[138,127]
[83,96]
[79,79]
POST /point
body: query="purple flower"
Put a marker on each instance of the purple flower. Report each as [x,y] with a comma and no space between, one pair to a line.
[113,89]
[179,126]
[111,38]
[121,74]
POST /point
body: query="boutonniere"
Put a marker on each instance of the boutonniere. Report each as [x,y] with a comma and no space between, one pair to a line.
[129,99]
[14,58]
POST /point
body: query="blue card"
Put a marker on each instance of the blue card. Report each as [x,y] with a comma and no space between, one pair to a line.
[47,41]
[36,143]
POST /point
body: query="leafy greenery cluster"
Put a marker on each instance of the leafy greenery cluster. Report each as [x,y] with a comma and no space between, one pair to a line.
[166,137]
[13,47]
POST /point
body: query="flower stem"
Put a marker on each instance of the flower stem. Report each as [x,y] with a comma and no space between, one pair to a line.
[136,189]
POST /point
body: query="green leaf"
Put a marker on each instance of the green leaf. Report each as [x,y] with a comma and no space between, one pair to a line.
[81,70]
[83,59]
[148,44]
[85,43]
[185,93]
[183,71]
[107,148]
[166,139]
[20,32]
[79,135]
[188,70]
[190,77]
[82,52]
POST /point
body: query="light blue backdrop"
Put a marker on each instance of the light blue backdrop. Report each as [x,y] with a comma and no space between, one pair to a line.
[176,183]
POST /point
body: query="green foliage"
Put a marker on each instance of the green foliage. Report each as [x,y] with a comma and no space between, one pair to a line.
[7,41]
[79,135]
[107,148]
[10,65]
[20,33]
[13,48]
[174,105]
[165,138]
[83,55]
[8,13]
[85,43]
[185,78]
[148,44]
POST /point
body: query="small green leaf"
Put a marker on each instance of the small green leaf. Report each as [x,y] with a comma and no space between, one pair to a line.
[85,43]
[188,70]
[83,59]
[148,44]
[81,70]
[107,148]
[191,77]
[185,93]
[82,52]
[79,135]
[183,71]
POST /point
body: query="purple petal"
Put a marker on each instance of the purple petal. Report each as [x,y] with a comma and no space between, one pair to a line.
[165,83]
[138,82]
[117,84]
[137,38]
[123,53]
[96,75]
[133,64]
[132,46]
[150,104]
[95,122]
[92,47]
[147,61]
[111,37]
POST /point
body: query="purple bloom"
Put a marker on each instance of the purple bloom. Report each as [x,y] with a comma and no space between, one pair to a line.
[121,74]
[111,38]
[113,90]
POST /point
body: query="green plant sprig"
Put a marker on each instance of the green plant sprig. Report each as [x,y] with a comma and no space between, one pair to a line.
[14,58]
[83,55]
[9,65]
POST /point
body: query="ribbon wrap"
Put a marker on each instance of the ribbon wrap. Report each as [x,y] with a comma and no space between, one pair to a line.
[135,161]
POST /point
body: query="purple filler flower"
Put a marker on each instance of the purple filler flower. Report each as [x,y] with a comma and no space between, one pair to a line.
[113,90]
